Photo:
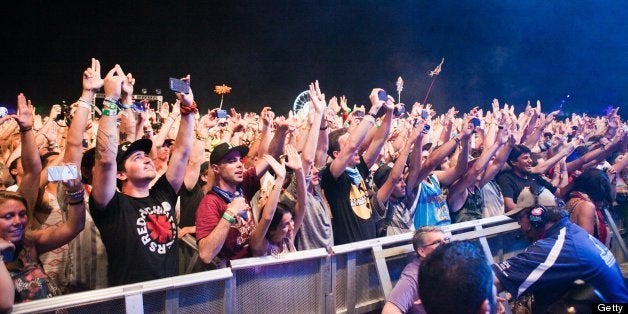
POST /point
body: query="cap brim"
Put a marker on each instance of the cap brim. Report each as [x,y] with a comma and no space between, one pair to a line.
[242,149]
[516,211]
[143,144]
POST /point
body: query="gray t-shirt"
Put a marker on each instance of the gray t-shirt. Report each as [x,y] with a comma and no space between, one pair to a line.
[316,230]
[399,217]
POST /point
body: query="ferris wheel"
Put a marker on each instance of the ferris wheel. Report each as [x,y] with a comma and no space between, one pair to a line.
[302,103]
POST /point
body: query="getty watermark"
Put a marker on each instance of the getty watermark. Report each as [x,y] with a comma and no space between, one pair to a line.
[610,308]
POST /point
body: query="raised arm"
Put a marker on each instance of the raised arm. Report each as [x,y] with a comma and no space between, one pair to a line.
[193,169]
[415,164]
[545,166]
[500,157]
[323,138]
[396,173]
[381,135]
[457,194]
[107,140]
[316,111]
[52,238]
[276,145]
[31,163]
[448,176]
[183,142]
[294,163]
[258,242]
[266,117]
[74,144]
[343,158]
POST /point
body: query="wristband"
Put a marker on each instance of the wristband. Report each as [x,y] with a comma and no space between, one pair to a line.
[372,119]
[111,100]
[78,202]
[26,129]
[228,218]
[84,103]
[185,110]
[75,195]
[109,112]
[457,140]
[323,128]
[123,106]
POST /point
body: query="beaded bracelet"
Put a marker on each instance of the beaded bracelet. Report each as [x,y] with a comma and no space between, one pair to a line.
[73,196]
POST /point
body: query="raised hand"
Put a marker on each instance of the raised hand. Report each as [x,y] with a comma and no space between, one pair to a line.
[91,77]
[376,103]
[318,98]
[278,168]
[186,99]
[127,83]
[113,83]
[267,116]
[164,110]
[24,116]
[343,102]
[294,160]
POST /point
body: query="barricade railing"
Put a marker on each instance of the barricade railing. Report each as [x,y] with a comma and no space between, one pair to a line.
[354,278]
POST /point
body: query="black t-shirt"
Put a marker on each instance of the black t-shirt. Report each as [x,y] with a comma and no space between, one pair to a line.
[140,235]
[353,217]
[512,184]
[189,204]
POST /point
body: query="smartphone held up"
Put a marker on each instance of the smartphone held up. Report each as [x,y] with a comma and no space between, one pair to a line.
[61,173]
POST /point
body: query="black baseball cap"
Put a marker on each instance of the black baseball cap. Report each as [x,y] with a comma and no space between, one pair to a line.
[127,148]
[223,149]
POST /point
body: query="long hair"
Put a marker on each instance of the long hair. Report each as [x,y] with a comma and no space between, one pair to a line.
[595,184]
[279,212]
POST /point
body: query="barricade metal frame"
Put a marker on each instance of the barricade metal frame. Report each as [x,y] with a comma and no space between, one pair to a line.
[355,278]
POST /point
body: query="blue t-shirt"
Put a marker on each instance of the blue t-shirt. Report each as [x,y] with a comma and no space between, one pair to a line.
[431,205]
[550,266]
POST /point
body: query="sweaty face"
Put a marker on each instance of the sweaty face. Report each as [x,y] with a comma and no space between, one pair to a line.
[12,220]
[231,168]
[523,163]
[138,166]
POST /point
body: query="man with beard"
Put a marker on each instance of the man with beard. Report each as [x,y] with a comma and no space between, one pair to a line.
[137,224]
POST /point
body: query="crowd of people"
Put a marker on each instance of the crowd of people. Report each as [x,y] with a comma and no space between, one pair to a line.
[255,184]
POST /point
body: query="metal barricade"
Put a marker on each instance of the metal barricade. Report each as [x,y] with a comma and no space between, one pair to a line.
[353,278]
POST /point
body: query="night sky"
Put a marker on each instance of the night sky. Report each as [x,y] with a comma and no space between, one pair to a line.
[268,51]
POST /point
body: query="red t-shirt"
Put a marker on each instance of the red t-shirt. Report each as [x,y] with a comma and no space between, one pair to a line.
[210,212]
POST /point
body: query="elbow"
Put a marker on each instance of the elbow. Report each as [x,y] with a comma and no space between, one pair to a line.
[6,307]
[308,160]
[205,255]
